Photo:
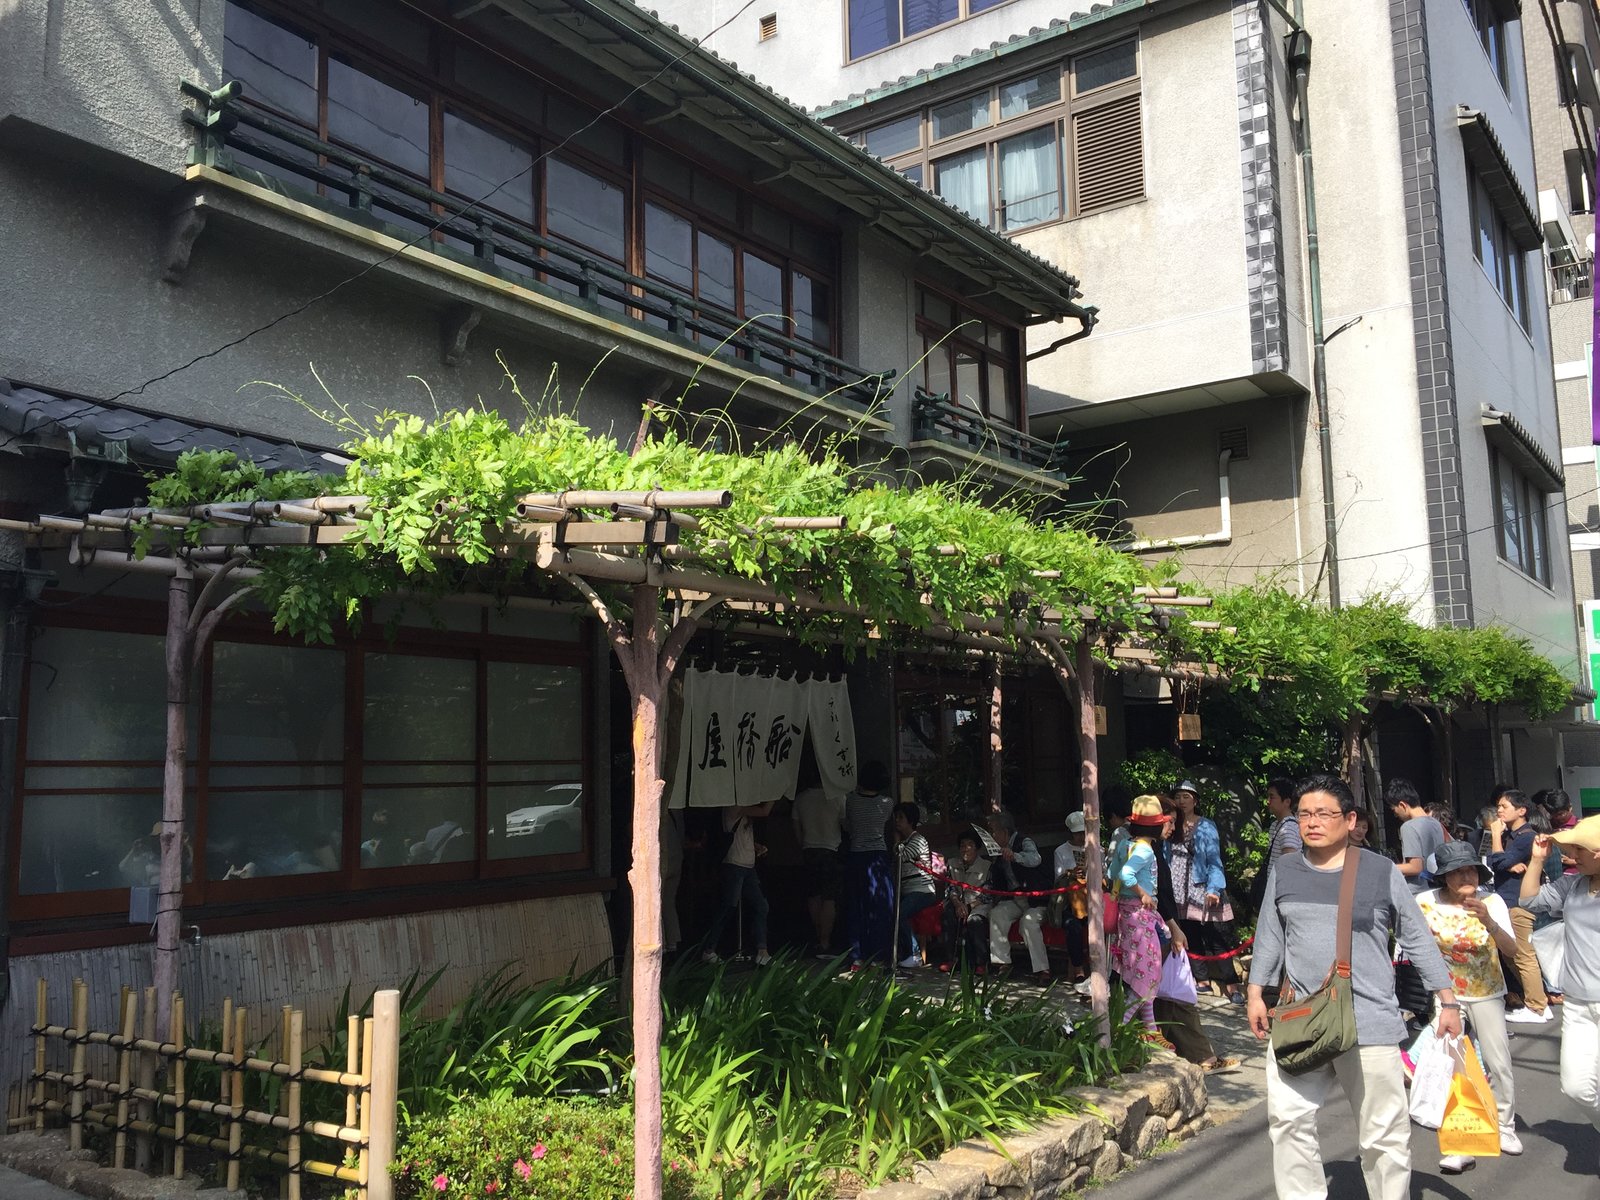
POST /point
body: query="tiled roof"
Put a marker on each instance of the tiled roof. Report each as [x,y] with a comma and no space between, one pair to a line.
[994,248]
[150,439]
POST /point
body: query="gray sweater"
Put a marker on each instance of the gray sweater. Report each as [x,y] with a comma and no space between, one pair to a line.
[1570,899]
[1299,919]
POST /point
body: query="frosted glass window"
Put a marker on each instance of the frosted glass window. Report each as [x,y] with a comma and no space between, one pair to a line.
[419,708]
[535,712]
[277,704]
[258,835]
[1025,95]
[89,842]
[97,696]
[961,116]
[897,137]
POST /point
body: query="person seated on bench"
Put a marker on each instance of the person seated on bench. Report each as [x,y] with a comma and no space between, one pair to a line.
[1016,869]
[966,913]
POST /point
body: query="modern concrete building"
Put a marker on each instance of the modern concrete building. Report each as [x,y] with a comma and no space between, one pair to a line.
[1163,148]
[564,189]
[1561,43]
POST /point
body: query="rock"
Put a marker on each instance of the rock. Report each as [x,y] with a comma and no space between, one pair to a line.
[999,1170]
[1121,1112]
[1151,1134]
[1175,1122]
[951,1180]
[1199,1124]
[1075,1179]
[1046,1157]
[1108,1162]
[897,1191]
[1161,1087]
[1080,1136]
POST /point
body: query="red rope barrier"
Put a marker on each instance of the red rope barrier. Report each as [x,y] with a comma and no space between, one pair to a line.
[1234,953]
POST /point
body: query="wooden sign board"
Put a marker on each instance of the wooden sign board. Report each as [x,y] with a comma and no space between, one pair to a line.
[1188,727]
[1100,723]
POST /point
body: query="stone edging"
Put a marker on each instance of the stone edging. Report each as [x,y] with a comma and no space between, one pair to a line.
[46,1156]
[1121,1125]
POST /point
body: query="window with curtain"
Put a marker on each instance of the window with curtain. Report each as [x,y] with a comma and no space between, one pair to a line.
[1060,141]
[874,25]
[1497,251]
[1520,513]
[313,771]
[972,358]
[477,130]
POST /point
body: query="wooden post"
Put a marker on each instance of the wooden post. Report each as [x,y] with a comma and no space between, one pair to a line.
[352,1066]
[383,1068]
[284,1015]
[126,1026]
[364,1154]
[39,1047]
[644,876]
[169,898]
[148,1066]
[297,1033]
[180,1094]
[995,777]
[236,1093]
[80,1052]
[227,1041]
[1094,874]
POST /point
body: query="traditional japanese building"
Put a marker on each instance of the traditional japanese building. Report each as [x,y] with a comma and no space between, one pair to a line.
[225,221]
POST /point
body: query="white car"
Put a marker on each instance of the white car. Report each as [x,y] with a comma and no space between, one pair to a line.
[559,824]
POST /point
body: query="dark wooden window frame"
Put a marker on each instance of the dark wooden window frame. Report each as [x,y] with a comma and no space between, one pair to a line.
[351,878]
[436,85]
[1061,114]
[940,339]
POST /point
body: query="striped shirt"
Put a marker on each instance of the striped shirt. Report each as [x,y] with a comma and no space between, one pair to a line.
[864,819]
[915,854]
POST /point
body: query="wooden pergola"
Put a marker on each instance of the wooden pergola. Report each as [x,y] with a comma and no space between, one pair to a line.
[632,539]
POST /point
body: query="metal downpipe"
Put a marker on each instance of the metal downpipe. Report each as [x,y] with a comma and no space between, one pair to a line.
[1299,57]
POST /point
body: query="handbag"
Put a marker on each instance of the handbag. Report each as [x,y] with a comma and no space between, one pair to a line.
[1177,980]
[1550,947]
[1310,1032]
[1111,911]
[1471,1123]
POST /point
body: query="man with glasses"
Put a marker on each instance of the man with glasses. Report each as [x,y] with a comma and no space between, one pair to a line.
[1297,936]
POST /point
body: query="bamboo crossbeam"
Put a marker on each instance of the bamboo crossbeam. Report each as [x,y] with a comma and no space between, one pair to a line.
[811,523]
[1171,603]
[542,512]
[220,1058]
[11,526]
[275,1157]
[651,499]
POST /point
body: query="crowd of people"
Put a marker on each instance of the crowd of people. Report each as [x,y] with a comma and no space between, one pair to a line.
[1460,929]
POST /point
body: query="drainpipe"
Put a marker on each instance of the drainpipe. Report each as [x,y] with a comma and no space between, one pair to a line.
[1220,538]
[1298,54]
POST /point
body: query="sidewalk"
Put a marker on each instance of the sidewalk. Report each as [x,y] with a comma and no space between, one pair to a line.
[1235,1160]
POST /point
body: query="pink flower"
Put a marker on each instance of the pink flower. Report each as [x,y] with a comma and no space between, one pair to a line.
[537,1152]
[522,1168]
[441,1182]
[492,1186]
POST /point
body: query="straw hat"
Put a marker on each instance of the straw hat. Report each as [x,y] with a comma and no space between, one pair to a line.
[1585,833]
[1147,811]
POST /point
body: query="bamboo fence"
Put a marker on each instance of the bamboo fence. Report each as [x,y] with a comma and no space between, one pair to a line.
[144,1092]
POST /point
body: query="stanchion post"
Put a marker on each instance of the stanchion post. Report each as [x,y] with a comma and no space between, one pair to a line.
[384,1070]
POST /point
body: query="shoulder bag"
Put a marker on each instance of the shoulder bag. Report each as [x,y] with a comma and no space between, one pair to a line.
[1311,1031]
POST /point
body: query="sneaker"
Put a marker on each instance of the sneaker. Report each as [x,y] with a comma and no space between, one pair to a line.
[1455,1164]
[1526,1016]
[825,956]
[711,958]
[762,958]
[1236,998]
[1510,1143]
[910,961]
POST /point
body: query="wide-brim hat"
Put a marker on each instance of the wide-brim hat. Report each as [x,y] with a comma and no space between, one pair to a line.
[1585,833]
[1147,810]
[1075,823]
[1452,856]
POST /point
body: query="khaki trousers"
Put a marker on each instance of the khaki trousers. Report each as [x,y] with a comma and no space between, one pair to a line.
[1527,961]
[1374,1084]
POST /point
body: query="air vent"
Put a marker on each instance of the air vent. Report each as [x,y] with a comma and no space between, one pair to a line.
[769,27]
[1108,154]
[1237,440]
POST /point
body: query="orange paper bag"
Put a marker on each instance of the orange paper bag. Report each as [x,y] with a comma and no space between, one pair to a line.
[1471,1122]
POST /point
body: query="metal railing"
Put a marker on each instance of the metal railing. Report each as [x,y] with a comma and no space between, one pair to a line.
[1571,281]
[345,182]
[934,417]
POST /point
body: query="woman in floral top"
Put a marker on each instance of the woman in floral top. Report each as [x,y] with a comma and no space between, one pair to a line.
[1473,928]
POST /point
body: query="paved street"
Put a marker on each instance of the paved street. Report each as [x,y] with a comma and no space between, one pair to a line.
[1235,1160]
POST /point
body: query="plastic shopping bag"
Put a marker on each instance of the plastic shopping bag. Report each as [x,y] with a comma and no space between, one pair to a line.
[1549,946]
[1471,1122]
[1434,1067]
[1177,980]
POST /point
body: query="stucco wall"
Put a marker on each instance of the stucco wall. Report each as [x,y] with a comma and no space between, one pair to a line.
[1166,320]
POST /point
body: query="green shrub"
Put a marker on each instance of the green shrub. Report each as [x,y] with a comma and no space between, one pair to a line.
[525,1147]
